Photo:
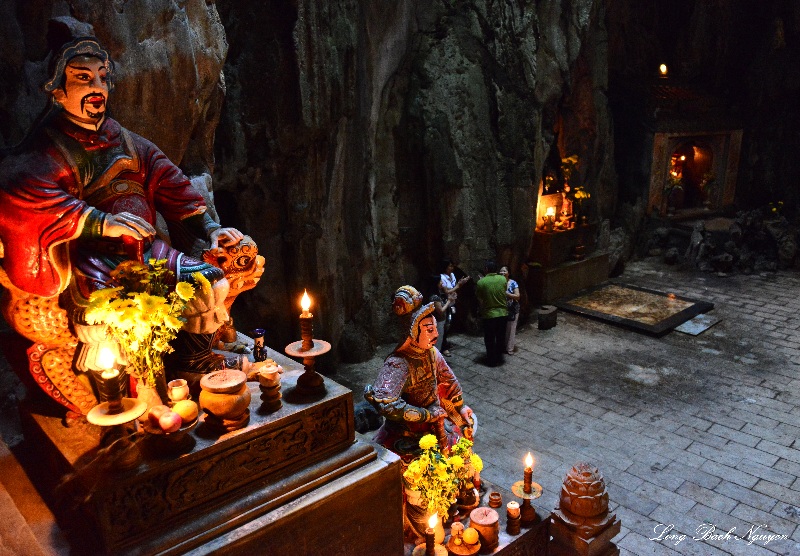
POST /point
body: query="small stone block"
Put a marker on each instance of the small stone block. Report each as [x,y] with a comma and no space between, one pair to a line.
[547,315]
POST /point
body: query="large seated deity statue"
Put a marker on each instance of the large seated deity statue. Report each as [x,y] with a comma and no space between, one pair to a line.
[79,197]
[416,391]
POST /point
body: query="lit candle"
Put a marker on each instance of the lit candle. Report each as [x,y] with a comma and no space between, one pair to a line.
[528,476]
[106,360]
[662,70]
[430,543]
[305,304]
[108,386]
[306,330]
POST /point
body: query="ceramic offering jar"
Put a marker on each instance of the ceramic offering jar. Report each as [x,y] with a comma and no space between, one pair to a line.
[225,398]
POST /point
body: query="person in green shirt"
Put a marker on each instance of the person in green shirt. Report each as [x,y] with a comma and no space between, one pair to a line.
[491,293]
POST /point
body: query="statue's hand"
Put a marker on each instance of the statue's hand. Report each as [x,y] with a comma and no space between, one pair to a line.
[467,414]
[225,236]
[206,312]
[437,413]
[127,224]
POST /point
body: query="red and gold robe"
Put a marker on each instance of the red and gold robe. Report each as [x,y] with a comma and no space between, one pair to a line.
[48,193]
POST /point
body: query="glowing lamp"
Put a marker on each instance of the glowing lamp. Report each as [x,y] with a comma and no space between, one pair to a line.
[662,70]
[106,360]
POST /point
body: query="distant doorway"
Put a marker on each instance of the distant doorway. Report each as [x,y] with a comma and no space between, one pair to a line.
[690,170]
[692,173]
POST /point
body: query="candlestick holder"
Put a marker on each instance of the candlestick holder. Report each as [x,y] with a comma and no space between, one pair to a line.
[270,384]
[513,518]
[527,490]
[113,415]
[424,549]
[308,348]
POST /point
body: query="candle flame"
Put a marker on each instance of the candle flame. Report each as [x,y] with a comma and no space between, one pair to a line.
[529,460]
[662,69]
[305,302]
[432,520]
[551,211]
[105,358]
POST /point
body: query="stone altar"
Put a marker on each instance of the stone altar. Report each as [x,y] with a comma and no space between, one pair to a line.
[566,263]
[280,482]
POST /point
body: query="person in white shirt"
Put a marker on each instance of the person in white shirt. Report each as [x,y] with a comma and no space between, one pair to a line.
[448,286]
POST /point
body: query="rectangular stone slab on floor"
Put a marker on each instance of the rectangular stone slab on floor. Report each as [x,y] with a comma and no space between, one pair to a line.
[698,324]
[649,311]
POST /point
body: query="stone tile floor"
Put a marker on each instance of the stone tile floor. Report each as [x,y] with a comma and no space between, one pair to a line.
[692,433]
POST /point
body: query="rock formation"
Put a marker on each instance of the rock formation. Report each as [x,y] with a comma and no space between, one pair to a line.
[361,141]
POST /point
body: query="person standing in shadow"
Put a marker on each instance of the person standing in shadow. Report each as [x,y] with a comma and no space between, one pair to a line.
[491,293]
[512,296]
[448,286]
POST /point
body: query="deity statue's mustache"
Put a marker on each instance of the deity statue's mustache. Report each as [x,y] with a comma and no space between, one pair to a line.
[97,101]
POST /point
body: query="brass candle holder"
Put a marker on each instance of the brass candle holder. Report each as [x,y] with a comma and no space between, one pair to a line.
[308,348]
[430,547]
[114,413]
[527,490]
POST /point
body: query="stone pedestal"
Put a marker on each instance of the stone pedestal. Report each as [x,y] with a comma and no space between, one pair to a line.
[566,543]
[582,524]
[298,470]
[567,263]
[549,284]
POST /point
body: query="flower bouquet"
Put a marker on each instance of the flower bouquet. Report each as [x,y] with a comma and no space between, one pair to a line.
[142,315]
[438,478]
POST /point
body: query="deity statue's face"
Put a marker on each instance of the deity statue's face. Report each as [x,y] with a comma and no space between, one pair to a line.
[85,91]
[427,333]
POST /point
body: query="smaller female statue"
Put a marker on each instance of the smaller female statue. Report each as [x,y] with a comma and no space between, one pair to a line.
[416,391]
[418,394]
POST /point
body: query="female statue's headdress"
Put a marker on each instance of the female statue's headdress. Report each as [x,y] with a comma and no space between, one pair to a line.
[407,304]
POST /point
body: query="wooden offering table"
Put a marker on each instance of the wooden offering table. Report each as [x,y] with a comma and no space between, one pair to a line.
[531,541]
[292,481]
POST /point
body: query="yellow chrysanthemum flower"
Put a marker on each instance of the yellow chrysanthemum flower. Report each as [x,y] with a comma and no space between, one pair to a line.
[476,462]
[427,442]
[203,282]
[457,462]
[184,290]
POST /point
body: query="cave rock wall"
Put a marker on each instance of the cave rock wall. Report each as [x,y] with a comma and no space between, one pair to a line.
[359,142]
[388,135]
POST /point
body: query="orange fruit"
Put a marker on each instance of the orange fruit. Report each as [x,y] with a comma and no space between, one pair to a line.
[470,535]
[187,409]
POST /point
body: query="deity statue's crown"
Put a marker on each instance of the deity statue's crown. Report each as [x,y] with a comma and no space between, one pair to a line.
[407,303]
